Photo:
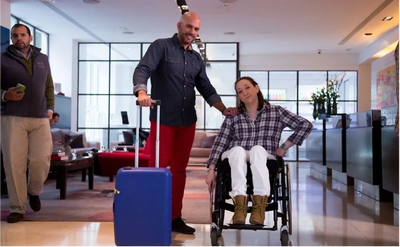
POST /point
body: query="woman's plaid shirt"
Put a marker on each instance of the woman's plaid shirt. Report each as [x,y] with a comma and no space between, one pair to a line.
[265,130]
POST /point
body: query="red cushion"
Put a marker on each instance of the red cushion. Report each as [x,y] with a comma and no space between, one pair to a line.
[111,162]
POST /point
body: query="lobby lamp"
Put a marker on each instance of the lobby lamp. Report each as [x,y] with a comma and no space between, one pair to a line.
[183,8]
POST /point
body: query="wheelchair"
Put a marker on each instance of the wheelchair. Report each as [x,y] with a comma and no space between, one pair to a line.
[278,201]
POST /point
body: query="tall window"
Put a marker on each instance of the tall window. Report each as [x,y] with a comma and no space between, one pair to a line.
[105,88]
[40,38]
[293,89]
[222,70]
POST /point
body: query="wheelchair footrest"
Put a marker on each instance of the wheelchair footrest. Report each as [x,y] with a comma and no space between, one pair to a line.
[231,207]
[249,227]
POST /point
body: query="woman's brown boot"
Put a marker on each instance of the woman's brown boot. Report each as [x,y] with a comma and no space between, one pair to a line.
[239,217]
[258,213]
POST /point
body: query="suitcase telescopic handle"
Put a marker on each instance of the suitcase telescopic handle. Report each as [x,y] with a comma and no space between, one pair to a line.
[157,103]
[153,102]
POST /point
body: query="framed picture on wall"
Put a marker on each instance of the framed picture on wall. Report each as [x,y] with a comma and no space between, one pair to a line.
[386,87]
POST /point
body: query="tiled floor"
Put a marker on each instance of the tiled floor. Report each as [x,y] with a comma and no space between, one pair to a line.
[325,212]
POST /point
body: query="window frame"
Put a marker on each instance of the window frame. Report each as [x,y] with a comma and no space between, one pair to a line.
[143,48]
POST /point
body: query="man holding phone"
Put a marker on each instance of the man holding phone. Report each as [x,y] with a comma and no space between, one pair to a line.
[27,101]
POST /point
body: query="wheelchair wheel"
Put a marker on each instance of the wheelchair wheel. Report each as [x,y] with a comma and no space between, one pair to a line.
[217,213]
[220,199]
[286,206]
[289,198]
[214,236]
[212,206]
[284,238]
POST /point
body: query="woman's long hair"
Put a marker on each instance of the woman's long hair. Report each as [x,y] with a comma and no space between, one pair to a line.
[261,101]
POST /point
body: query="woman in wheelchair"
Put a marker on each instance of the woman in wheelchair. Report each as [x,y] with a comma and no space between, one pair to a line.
[253,136]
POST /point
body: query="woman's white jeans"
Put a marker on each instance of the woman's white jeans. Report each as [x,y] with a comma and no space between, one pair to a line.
[238,158]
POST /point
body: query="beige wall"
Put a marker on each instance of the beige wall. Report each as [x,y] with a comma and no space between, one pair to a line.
[364,87]
[327,61]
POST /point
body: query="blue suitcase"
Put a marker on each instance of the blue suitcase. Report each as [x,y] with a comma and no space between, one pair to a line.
[142,202]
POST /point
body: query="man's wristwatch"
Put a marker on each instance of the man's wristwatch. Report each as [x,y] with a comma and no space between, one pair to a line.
[283,145]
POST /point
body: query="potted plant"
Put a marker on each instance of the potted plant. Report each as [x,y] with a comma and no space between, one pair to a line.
[318,102]
[333,91]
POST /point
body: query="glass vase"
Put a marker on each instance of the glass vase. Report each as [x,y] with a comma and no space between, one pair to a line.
[315,111]
[334,107]
[328,108]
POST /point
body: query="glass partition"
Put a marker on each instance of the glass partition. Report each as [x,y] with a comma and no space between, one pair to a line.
[348,88]
[222,76]
[282,85]
[125,52]
[221,51]
[93,78]
[105,88]
[120,83]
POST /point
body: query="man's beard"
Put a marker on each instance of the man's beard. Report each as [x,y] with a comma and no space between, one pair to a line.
[21,46]
[183,36]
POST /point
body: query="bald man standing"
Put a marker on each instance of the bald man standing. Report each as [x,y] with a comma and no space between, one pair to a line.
[176,70]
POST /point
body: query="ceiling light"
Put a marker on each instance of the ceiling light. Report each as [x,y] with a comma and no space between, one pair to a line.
[387,18]
[91,1]
[227,1]
[367,34]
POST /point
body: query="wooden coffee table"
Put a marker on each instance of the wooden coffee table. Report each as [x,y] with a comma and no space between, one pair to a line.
[62,167]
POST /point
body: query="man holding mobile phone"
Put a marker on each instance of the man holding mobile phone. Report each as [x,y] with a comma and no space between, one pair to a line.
[27,101]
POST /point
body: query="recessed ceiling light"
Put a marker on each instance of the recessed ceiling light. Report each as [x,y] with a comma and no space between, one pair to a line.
[91,1]
[229,33]
[387,18]
[227,1]
[367,34]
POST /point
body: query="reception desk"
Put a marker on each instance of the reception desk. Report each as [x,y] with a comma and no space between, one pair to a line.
[390,160]
[358,149]
[315,148]
[335,135]
[390,151]
[364,161]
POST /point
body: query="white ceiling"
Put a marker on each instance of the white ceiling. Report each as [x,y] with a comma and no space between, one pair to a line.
[261,26]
